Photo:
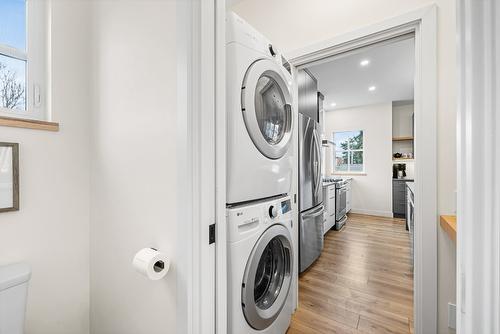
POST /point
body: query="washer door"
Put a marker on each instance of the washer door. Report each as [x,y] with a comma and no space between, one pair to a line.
[267,108]
[267,278]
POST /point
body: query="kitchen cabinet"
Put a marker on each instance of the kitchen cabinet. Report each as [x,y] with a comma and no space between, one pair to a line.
[348,204]
[329,202]
[399,199]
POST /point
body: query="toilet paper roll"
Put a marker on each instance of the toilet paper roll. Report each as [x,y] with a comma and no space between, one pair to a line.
[151,263]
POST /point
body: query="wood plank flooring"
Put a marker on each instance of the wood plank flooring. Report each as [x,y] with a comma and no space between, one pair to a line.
[362,282]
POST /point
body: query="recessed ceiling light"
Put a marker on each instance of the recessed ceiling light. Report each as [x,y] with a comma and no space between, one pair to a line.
[365,62]
[333,104]
[372,88]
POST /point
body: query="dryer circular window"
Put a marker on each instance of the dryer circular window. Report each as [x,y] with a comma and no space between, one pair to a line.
[268,277]
[267,108]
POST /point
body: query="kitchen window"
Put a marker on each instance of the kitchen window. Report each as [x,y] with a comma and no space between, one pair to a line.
[349,152]
[23,58]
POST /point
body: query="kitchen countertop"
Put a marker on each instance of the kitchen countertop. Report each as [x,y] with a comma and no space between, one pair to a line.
[326,184]
[404,179]
[449,224]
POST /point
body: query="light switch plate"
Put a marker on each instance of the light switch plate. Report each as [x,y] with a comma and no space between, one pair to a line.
[452,316]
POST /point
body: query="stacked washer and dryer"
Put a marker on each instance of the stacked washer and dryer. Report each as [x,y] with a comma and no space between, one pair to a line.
[259,180]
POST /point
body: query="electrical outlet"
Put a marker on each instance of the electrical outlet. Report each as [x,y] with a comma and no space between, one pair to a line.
[452,316]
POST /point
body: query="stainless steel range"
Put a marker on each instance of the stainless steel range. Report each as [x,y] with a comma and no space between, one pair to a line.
[340,201]
[340,204]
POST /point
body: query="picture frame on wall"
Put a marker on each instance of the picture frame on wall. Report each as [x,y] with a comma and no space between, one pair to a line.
[9,177]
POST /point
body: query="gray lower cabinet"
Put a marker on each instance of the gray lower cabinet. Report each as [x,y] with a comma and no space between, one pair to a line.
[399,198]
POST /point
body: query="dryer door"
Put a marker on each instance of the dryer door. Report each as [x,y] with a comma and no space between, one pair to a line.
[267,108]
[268,277]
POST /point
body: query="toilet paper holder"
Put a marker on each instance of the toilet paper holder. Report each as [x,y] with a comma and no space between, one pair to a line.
[159,265]
[151,263]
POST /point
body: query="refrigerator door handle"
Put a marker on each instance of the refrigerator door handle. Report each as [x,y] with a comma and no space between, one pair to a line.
[318,162]
[316,213]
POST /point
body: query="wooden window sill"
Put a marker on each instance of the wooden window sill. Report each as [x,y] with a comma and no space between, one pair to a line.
[449,225]
[28,124]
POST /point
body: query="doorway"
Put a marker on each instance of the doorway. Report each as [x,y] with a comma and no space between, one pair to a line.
[422,23]
[364,117]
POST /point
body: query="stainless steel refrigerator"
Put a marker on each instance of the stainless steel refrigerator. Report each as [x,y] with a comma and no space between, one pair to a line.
[310,192]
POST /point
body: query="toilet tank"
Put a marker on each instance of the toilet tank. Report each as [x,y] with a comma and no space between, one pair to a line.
[14,280]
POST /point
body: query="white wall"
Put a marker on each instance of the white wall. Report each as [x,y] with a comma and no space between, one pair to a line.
[332,18]
[401,119]
[402,126]
[133,172]
[50,232]
[372,191]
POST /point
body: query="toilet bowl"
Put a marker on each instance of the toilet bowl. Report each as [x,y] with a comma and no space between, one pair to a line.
[14,279]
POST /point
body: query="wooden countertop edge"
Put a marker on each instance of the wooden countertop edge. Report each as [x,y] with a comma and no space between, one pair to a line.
[449,225]
[28,124]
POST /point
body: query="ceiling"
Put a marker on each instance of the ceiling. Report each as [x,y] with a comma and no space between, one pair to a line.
[345,83]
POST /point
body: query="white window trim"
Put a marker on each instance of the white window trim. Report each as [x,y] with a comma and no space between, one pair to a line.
[36,57]
[348,171]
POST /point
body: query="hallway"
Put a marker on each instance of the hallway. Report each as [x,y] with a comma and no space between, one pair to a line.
[362,283]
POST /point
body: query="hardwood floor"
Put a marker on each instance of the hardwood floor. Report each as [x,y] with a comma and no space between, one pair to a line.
[362,282]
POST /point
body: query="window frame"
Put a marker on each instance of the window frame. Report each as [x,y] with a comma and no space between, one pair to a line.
[36,58]
[349,154]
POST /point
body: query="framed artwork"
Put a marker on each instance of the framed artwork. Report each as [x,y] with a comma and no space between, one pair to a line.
[9,177]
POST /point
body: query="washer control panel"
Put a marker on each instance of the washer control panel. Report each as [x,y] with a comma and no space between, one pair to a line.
[286,206]
[244,220]
[279,208]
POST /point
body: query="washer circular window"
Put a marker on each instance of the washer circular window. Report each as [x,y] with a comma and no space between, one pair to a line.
[270,274]
[267,110]
[270,109]
[267,279]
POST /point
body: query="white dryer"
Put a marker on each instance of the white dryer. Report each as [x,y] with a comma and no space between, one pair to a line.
[259,116]
[260,267]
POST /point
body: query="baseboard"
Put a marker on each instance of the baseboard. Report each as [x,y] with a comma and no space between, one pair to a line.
[387,214]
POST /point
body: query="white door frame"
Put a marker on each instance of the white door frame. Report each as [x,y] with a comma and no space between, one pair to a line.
[198,197]
[422,22]
[478,153]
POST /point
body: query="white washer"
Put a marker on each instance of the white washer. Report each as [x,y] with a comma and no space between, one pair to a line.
[259,116]
[260,267]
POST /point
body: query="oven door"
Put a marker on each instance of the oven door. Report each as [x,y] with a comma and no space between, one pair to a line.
[340,203]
